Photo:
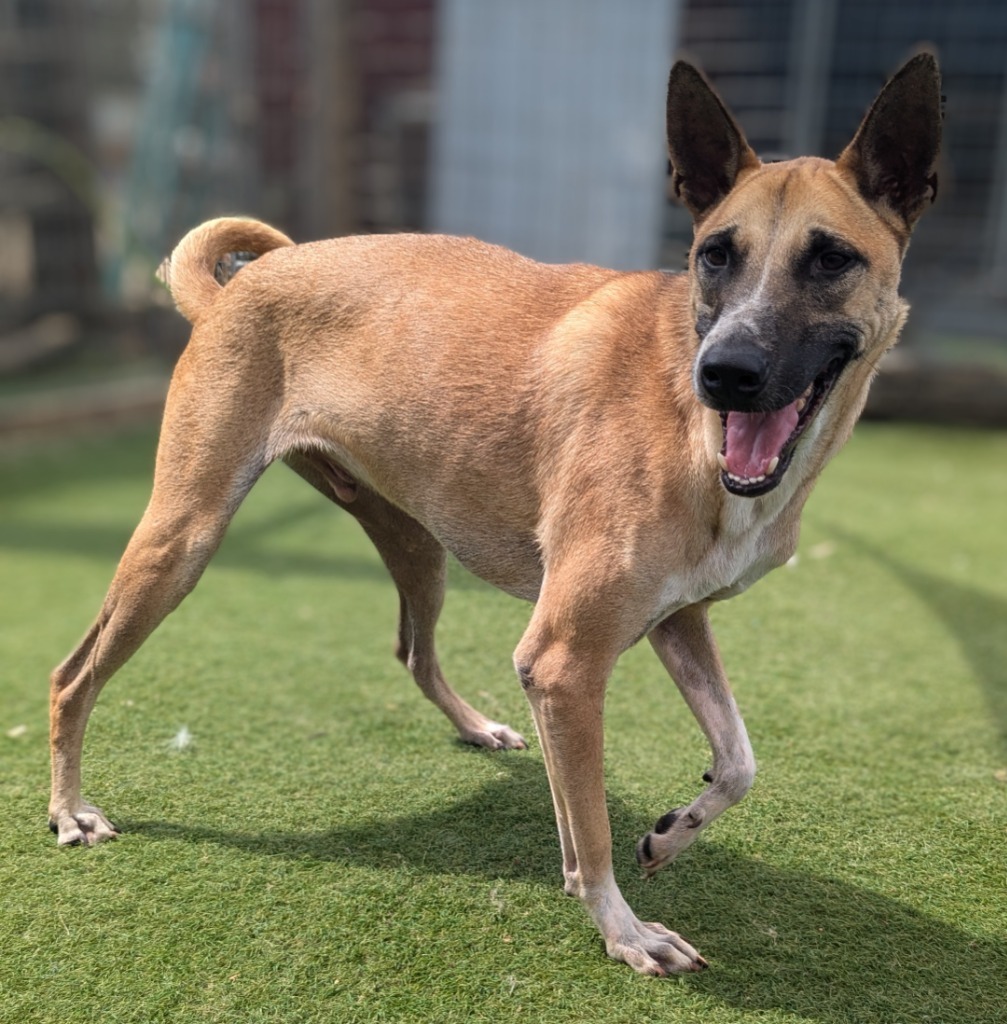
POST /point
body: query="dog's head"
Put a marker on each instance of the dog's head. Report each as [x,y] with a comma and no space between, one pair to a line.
[795,265]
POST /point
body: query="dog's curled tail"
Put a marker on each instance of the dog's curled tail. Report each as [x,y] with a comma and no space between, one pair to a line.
[190,271]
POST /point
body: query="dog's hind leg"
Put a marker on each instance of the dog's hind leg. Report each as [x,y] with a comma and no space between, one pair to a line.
[205,467]
[685,644]
[416,562]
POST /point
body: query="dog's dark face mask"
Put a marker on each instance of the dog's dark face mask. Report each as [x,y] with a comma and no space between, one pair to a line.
[778,317]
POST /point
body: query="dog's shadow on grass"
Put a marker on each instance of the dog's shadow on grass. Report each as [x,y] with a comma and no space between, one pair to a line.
[249,545]
[777,938]
[975,618]
[972,616]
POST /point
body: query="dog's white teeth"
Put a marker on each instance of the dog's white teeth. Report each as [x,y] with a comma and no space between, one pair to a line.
[745,480]
[722,461]
[771,469]
[801,403]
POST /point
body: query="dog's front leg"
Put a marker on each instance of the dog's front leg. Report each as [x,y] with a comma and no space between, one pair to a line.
[685,644]
[564,674]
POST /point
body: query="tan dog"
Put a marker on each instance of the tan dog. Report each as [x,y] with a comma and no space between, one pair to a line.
[557,428]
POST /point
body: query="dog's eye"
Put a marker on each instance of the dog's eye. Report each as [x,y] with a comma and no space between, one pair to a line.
[834,262]
[716,257]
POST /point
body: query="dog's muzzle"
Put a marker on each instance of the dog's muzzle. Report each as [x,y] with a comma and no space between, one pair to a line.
[760,433]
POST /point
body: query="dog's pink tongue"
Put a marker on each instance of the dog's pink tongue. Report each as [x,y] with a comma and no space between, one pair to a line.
[754,439]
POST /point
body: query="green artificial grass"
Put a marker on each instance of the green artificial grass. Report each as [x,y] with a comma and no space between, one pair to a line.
[324,850]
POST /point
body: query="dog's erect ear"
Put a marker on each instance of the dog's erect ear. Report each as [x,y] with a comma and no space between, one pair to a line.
[706,147]
[894,153]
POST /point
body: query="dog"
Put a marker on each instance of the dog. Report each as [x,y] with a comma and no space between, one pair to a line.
[619,448]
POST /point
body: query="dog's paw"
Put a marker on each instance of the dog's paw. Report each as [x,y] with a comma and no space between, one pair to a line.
[86,826]
[650,948]
[493,736]
[672,834]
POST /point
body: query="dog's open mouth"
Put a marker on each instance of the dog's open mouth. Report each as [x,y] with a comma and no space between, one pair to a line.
[758,446]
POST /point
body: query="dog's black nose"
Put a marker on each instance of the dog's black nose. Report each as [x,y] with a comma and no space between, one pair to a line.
[733,374]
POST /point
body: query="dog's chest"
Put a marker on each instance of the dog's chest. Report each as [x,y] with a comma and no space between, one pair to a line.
[750,543]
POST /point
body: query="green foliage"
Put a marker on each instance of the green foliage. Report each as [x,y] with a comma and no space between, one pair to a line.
[324,850]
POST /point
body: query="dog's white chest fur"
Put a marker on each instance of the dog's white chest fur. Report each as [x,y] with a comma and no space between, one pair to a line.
[747,546]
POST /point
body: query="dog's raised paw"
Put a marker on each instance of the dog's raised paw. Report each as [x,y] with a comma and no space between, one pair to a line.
[672,833]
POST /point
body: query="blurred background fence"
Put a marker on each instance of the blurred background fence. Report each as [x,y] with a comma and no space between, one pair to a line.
[535,123]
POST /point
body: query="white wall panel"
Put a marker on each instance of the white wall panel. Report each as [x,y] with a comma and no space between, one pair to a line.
[550,126]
